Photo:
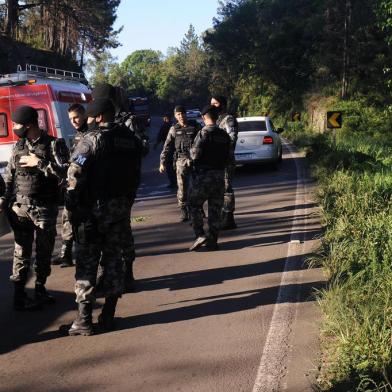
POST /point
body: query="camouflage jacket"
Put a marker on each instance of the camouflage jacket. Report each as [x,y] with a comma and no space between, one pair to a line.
[54,166]
[230,125]
[83,172]
[169,145]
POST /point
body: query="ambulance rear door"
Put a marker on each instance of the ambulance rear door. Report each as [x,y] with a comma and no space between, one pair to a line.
[6,136]
[63,97]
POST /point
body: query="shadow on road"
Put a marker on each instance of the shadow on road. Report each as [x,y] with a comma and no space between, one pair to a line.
[21,328]
[224,304]
[213,276]
[256,229]
[252,231]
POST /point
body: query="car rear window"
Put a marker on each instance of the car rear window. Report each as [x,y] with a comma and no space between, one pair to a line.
[248,126]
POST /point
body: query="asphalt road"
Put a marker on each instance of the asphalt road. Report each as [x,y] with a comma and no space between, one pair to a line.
[240,319]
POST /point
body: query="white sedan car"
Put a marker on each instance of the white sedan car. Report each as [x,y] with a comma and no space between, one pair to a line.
[258,141]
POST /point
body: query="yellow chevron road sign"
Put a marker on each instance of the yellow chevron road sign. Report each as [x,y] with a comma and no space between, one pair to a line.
[334,120]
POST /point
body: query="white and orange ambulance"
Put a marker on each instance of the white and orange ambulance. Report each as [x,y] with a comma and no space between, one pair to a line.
[51,91]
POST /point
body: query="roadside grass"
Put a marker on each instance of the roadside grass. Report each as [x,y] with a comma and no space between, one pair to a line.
[139,219]
[354,173]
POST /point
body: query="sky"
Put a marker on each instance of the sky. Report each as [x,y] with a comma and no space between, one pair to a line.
[160,24]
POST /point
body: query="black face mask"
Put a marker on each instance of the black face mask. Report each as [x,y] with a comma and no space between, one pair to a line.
[21,132]
[220,109]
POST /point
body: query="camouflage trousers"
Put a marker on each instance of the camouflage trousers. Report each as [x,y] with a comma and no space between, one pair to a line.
[229,199]
[66,233]
[207,186]
[183,179]
[129,245]
[101,241]
[27,220]
[170,171]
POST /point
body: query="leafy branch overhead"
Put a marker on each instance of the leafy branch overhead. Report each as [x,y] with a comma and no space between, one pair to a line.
[67,27]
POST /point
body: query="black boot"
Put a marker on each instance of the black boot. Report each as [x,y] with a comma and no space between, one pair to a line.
[227,222]
[184,214]
[106,318]
[42,296]
[83,324]
[129,279]
[212,245]
[65,256]
[21,301]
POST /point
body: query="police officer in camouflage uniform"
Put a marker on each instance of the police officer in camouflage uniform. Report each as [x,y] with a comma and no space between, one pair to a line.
[229,124]
[77,117]
[210,155]
[123,118]
[38,164]
[102,179]
[180,136]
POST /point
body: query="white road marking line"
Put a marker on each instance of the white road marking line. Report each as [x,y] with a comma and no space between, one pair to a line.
[273,360]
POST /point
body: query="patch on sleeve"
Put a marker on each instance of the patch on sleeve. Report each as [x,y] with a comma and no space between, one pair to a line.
[80,160]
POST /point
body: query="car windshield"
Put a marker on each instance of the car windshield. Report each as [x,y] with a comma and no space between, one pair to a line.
[249,126]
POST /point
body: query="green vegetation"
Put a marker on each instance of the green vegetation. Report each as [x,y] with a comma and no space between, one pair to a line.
[278,56]
[139,219]
[355,192]
[275,57]
[182,76]
[69,28]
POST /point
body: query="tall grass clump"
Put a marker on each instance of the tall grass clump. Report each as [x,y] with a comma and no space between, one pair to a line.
[354,172]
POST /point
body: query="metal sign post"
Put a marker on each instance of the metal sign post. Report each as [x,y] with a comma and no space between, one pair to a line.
[334,122]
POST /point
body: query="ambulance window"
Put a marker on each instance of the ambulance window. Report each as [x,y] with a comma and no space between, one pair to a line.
[42,119]
[3,125]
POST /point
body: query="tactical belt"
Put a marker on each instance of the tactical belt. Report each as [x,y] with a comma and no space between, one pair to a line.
[182,155]
[40,202]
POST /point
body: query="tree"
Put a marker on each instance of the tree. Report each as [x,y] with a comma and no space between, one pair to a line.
[56,25]
[291,47]
[190,41]
[100,68]
[185,74]
[141,68]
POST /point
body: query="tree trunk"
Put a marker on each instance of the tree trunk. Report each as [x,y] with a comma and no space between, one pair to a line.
[346,49]
[11,19]
[82,52]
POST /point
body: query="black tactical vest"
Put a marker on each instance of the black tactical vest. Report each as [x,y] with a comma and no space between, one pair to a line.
[184,137]
[116,169]
[31,181]
[215,152]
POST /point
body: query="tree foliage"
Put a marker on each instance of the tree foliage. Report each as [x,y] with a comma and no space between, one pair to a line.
[67,27]
[267,55]
[291,48]
[183,76]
